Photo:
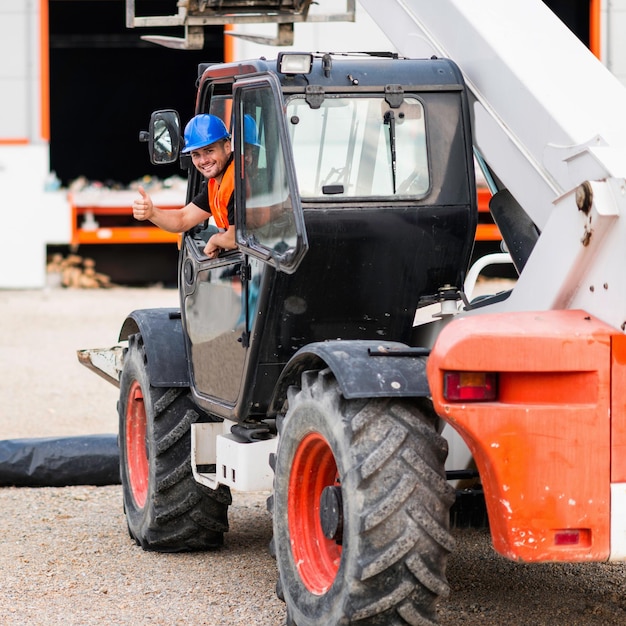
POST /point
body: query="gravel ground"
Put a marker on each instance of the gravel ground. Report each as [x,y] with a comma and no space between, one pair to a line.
[65,553]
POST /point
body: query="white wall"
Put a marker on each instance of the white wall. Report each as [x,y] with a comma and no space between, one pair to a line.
[19,70]
[29,217]
[613,40]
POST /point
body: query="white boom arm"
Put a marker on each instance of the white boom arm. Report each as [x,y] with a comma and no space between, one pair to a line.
[547,116]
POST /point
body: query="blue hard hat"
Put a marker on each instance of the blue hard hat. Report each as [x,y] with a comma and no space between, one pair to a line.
[250,133]
[203,130]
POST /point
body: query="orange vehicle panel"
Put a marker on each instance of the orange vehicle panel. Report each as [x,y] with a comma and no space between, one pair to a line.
[618,410]
[543,448]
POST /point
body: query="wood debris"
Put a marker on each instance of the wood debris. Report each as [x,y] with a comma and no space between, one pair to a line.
[76,272]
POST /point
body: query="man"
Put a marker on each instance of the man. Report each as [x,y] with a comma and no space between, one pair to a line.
[208,142]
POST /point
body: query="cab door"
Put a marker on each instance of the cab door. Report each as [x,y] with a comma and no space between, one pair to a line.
[219,296]
[214,297]
[269,219]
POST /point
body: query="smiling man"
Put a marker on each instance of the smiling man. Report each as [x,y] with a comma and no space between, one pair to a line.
[208,142]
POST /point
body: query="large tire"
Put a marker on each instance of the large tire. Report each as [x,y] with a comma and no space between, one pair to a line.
[385,460]
[166,509]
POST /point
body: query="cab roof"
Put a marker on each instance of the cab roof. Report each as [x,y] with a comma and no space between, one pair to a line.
[348,70]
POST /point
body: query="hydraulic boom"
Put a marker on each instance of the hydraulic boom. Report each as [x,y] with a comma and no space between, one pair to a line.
[548,120]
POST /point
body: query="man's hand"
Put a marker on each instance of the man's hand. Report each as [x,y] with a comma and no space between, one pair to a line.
[219,242]
[143,207]
[212,250]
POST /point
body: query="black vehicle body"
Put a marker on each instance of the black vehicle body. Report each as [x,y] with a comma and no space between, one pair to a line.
[253,320]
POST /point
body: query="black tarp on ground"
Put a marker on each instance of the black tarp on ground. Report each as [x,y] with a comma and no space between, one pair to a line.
[59,462]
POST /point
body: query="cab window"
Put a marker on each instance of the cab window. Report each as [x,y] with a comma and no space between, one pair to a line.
[271,225]
[359,147]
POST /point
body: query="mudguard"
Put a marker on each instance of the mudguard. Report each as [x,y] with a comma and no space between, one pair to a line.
[363,369]
[162,333]
[549,446]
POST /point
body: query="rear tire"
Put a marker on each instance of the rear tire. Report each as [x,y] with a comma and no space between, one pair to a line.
[166,509]
[386,459]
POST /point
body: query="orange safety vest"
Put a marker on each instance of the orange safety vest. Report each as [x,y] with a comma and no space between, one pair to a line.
[219,196]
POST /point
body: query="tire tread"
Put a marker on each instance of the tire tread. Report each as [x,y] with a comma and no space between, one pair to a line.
[180,514]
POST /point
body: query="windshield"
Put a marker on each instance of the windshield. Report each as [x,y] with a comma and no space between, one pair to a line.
[359,147]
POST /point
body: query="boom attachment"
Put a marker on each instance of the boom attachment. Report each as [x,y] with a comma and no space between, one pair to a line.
[194,15]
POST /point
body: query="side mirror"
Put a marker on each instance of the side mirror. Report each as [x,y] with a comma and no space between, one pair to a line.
[164,137]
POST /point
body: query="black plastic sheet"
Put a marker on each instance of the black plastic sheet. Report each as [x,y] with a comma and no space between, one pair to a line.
[59,462]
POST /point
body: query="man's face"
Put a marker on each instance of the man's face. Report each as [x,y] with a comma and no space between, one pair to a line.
[251,158]
[211,160]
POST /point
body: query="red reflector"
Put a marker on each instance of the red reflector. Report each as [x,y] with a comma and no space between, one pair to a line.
[580,537]
[469,386]
[566,538]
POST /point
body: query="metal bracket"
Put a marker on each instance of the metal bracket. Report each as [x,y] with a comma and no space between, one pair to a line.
[394,95]
[245,272]
[314,96]
[283,38]
[193,40]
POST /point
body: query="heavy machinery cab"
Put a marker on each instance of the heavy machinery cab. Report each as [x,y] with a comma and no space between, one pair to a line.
[355,203]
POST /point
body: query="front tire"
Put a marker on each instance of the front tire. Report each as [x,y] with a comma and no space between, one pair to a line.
[376,467]
[166,509]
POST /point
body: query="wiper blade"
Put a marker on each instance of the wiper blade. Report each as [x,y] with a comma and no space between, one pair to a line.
[390,119]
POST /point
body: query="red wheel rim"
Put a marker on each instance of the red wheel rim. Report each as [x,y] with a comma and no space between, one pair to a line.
[317,557]
[136,456]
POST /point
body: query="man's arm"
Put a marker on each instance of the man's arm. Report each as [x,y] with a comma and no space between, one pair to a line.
[172,220]
[219,242]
